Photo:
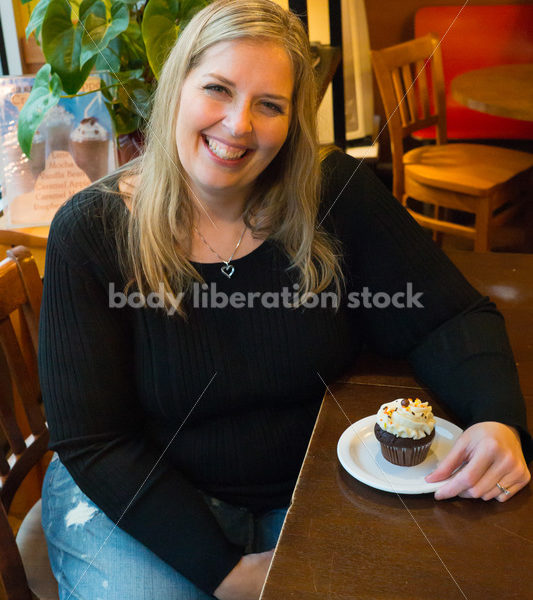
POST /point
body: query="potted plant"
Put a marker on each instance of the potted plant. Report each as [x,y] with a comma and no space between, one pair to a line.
[126,41]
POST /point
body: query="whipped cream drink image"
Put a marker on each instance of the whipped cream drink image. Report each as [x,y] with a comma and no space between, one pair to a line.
[89,144]
[56,127]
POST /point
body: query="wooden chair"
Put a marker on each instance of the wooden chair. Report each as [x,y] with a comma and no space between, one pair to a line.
[488,182]
[24,564]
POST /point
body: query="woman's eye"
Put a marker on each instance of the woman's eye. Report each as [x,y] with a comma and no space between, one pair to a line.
[273,107]
[214,87]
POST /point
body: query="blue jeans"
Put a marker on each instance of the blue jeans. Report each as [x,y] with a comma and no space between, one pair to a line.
[94,560]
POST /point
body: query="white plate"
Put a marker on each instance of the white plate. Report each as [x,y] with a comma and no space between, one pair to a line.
[359,453]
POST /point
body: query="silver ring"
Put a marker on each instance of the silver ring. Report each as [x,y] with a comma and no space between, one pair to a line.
[502,489]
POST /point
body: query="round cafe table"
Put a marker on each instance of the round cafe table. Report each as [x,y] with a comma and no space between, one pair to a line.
[502,90]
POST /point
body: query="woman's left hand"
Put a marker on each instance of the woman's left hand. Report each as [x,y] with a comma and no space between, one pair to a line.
[492,454]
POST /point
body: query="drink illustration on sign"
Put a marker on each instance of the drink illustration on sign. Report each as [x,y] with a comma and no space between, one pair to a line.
[89,143]
[72,148]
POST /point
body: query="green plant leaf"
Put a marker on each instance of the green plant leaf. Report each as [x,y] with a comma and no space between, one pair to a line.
[188,8]
[88,6]
[125,76]
[134,42]
[124,121]
[61,44]
[161,24]
[44,95]
[75,5]
[159,30]
[136,95]
[134,31]
[113,83]
[100,28]
[36,19]
[109,58]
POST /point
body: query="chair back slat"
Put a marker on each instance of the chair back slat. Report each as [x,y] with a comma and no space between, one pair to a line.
[410,90]
[399,94]
[25,381]
[8,421]
[439,92]
[13,294]
[423,89]
[33,287]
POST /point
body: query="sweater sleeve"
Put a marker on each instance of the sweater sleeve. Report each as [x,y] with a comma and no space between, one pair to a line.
[454,338]
[86,365]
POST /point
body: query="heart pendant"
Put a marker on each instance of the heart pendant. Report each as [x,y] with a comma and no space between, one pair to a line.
[228,270]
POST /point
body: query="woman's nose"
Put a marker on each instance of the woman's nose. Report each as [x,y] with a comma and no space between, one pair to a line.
[238,119]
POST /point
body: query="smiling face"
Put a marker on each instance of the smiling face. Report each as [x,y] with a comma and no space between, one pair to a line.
[234,116]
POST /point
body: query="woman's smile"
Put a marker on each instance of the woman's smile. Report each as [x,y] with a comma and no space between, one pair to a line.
[229,153]
[233,117]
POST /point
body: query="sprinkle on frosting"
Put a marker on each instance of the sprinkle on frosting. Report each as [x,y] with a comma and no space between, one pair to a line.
[406,418]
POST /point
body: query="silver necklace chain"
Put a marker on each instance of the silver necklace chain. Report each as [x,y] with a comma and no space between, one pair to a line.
[228,269]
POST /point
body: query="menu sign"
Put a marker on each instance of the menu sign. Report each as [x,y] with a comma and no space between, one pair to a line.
[73,147]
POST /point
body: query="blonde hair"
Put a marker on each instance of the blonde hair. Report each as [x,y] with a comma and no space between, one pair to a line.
[283,205]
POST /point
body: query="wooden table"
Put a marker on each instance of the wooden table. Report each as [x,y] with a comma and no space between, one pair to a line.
[503,90]
[343,540]
[34,238]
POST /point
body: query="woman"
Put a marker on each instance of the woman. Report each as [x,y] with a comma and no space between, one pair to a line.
[182,351]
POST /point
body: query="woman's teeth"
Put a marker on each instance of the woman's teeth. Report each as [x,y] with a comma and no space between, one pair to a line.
[223,151]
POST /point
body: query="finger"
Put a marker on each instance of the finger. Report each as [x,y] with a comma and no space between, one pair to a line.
[452,461]
[494,492]
[513,486]
[505,492]
[485,487]
[465,479]
[509,475]
[496,478]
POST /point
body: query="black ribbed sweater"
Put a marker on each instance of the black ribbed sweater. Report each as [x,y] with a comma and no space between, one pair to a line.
[243,385]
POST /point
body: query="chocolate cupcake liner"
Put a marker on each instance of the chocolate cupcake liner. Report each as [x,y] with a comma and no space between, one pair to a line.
[405,457]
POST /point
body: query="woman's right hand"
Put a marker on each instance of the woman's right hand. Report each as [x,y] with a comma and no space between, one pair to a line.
[245,581]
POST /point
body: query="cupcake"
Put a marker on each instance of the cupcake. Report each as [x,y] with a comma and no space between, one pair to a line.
[405,428]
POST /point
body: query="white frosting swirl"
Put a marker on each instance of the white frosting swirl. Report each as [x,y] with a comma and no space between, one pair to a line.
[415,420]
[89,129]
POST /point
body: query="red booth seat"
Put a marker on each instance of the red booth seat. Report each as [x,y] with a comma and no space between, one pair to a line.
[481,36]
